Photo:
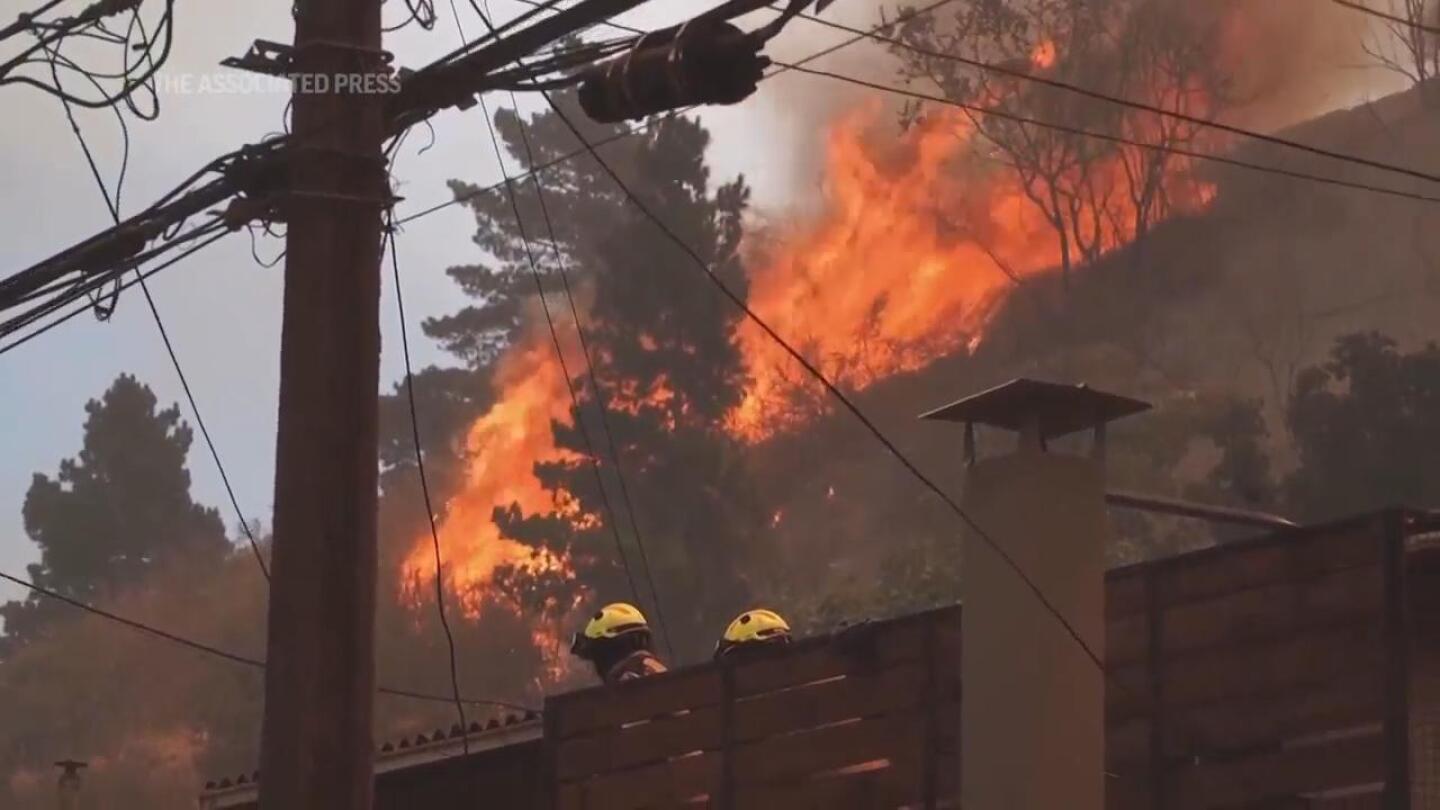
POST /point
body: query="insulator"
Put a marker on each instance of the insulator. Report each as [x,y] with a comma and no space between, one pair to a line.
[705,62]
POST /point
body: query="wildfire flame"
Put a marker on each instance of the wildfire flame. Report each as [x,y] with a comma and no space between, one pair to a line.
[882,281]
[502,448]
[1044,54]
[914,246]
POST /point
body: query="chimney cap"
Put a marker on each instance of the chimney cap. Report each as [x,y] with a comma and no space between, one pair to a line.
[1059,409]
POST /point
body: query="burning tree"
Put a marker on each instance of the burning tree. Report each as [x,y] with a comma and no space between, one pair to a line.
[1168,56]
[530,527]
[1094,193]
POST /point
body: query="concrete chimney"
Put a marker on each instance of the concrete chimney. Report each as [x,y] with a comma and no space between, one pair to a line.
[68,786]
[1032,715]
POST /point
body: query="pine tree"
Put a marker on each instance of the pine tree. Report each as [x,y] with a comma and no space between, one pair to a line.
[664,352]
[117,510]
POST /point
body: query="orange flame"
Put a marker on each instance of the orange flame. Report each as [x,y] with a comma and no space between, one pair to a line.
[1043,55]
[915,246]
[881,282]
[502,447]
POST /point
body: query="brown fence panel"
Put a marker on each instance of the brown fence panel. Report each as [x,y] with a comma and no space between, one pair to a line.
[1227,665]
[1250,676]
[1285,772]
[857,719]
[1424,599]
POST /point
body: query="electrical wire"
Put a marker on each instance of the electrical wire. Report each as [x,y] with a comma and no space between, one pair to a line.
[26,21]
[1393,18]
[1057,84]
[591,452]
[601,403]
[422,13]
[112,204]
[209,649]
[651,123]
[137,75]
[390,239]
[84,286]
[218,234]
[860,34]
[1103,136]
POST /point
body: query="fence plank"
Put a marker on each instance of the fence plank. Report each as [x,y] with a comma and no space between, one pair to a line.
[817,750]
[644,699]
[1341,763]
[895,784]
[1208,576]
[871,647]
[1278,558]
[857,695]
[645,742]
[658,785]
[1309,658]
[1351,594]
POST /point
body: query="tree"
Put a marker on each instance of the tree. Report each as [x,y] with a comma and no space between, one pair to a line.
[1167,54]
[1093,193]
[1406,43]
[665,360]
[1058,171]
[116,511]
[1366,427]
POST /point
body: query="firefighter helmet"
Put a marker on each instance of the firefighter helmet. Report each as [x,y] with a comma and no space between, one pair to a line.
[609,622]
[753,627]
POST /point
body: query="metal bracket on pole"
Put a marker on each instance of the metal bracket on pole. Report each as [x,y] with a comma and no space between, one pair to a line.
[264,57]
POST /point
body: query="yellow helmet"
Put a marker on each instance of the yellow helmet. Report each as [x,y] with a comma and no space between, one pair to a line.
[753,627]
[612,621]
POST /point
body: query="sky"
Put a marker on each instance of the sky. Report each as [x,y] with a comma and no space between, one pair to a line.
[221,309]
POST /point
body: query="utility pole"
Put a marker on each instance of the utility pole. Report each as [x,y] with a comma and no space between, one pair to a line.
[319,682]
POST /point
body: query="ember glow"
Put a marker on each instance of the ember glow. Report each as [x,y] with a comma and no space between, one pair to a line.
[1043,56]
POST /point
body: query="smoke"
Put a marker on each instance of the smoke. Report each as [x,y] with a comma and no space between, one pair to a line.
[1292,64]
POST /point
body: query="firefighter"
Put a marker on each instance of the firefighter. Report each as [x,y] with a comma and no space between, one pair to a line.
[752,630]
[618,643]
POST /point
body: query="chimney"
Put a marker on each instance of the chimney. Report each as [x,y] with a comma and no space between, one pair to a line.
[1032,720]
[68,786]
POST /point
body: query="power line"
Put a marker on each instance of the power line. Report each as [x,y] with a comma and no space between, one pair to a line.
[218,652]
[134,76]
[651,123]
[424,480]
[1394,18]
[594,456]
[113,206]
[1173,150]
[26,21]
[215,232]
[873,33]
[625,132]
[1097,95]
[600,401]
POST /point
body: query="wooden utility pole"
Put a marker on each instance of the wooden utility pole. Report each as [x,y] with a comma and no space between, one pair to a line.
[319,682]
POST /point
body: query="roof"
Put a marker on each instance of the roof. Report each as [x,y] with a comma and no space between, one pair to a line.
[394,755]
[1059,409]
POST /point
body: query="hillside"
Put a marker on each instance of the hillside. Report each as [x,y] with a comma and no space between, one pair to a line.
[1225,305]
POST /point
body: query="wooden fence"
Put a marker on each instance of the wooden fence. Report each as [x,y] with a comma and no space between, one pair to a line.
[1301,670]
[1274,673]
